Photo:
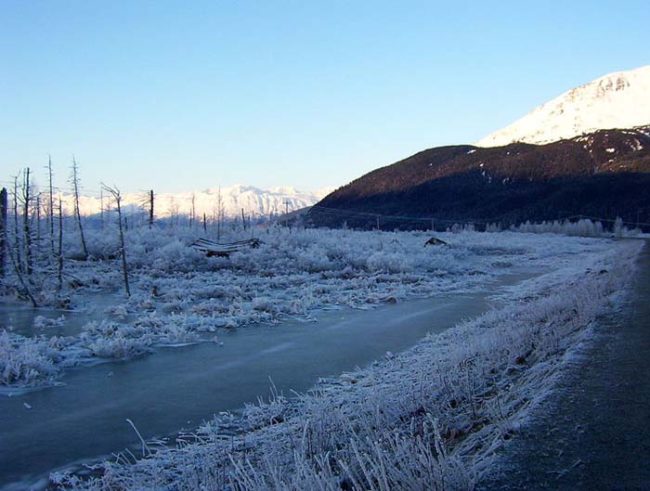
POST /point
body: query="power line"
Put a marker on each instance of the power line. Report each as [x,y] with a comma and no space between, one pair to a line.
[339,212]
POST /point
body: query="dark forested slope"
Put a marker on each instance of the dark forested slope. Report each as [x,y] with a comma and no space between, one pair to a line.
[603,174]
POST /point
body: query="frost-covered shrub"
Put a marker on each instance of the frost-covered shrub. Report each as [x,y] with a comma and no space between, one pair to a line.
[41,322]
[177,256]
[25,361]
[313,260]
[581,228]
[264,304]
[117,346]
[390,262]
[104,245]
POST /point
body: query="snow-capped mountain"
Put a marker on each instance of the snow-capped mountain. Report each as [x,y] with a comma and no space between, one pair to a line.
[618,100]
[226,201]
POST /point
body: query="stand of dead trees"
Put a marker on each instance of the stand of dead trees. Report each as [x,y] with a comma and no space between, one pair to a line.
[34,266]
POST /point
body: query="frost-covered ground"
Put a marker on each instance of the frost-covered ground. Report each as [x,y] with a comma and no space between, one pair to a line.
[181,296]
[428,418]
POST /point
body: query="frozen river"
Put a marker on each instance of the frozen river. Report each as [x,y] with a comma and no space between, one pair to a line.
[180,387]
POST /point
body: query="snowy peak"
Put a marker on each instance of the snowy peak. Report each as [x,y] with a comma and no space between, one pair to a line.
[617,100]
[227,202]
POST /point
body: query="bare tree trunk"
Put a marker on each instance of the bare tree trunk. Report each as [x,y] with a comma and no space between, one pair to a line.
[115,192]
[27,238]
[51,200]
[17,254]
[3,230]
[151,208]
[77,212]
[22,281]
[60,255]
[205,223]
[38,221]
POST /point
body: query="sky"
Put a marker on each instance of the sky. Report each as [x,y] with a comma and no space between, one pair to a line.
[178,96]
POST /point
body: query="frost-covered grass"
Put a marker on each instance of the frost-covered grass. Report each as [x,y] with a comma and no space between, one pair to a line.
[179,295]
[24,361]
[429,418]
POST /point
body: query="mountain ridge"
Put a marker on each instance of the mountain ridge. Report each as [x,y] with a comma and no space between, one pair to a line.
[605,174]
[616,100]
[255,202]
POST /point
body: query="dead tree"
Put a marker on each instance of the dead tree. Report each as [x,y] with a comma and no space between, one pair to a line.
[27,237]
[51,204]
[18,259]
[77,212]
[3,230]
[115,192]
[60,252]
[151,196]
[205,223]
[38,222]
[21,279]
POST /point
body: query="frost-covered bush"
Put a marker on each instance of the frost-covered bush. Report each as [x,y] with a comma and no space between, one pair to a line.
[391,263]
[108,339]
[25,361]
[581,228]
[41,322]
[176,257]
[117,346]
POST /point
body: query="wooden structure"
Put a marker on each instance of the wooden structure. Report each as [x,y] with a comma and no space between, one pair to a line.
[212,248]
[434,241]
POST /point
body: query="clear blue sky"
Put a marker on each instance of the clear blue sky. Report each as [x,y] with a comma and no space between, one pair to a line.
[186,95]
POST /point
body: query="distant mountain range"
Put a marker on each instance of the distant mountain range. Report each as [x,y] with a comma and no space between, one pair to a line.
[561,160]
[617,100]
[230,200]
